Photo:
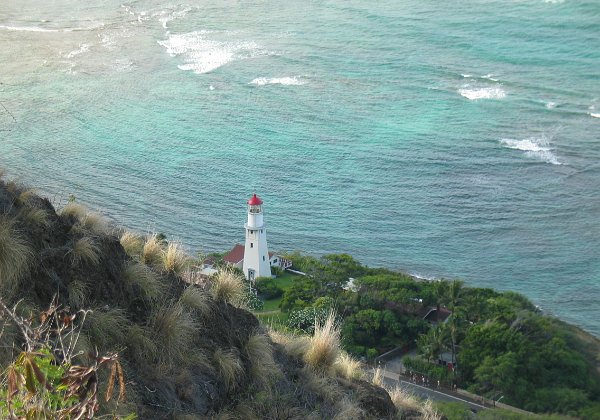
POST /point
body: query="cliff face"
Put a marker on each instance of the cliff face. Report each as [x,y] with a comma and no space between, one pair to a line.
[186,349]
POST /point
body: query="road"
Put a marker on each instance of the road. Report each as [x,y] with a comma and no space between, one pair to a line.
[391,380]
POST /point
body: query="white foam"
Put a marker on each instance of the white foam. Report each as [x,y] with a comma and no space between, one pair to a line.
[482,93]
[27,28]
[289,81]
[466,76]
[82,49]
[595,115]
[166,16]
[554,1]
[534,147]
[202,55]
[551,105]
[489,77]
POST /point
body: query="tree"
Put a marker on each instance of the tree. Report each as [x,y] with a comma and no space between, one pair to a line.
[433,343]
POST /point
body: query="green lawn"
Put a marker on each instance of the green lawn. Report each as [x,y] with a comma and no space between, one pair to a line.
[284,281]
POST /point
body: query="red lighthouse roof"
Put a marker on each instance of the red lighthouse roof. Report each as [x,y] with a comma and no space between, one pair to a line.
[255,201]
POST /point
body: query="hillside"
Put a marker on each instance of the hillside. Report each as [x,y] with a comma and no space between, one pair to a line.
[186,350]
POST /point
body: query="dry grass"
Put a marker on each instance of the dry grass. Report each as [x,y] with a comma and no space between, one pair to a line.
[324,345]
[141,344]
[174,259]
[106,328]
[348,367]
[263,368]
[25,196]
[174,330]
[86,220]
[132,244]
[141,279]
[197,299]
[227,286]
[229,367]
[348,409]
[15,254]
[35,216]
[429,412]
[95,224]
[295,346]
[85,250]
[74,211]
[404,400]
[78,293]
[152,251]
[378,377]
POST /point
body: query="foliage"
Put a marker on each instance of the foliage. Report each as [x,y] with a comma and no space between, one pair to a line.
[306,319]
[43,382]
[268,288]
[324,344]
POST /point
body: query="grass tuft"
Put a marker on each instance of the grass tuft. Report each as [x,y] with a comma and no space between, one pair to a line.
[25,196]
[73,211]
[347,367]
[85,250]
[348,409]
[106,328]
[324,344]
[15,254]
[404,400]
[227,286]
[34,216]
[141,279]
[174,259]
[152,251]
[295,346]
[262,364]
[132,244]
[197,299]
[141,344]
[95,223]
[78,293]
[174,330]
[378,377]
[229,366]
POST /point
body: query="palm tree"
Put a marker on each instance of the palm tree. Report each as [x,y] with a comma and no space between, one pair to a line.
[432,343]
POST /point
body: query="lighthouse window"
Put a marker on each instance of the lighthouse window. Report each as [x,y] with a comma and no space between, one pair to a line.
[263,257]
[261,231]
[251,244]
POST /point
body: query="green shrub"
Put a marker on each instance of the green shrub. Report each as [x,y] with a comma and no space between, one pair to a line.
[267,287]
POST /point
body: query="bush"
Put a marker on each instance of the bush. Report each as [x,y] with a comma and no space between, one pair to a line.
[268,288]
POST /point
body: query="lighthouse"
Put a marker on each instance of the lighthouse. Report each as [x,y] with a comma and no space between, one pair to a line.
[256,253]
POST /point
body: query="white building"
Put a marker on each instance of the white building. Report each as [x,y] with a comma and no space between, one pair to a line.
[254,257]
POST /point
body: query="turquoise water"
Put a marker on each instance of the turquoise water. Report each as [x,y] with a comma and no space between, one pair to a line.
[455,139]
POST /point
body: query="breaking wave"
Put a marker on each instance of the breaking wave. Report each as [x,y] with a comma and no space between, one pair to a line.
[289,81]
[202,55]
[482,93]
[534,147]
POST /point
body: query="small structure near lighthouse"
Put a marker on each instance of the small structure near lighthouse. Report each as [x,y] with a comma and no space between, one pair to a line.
[254,257]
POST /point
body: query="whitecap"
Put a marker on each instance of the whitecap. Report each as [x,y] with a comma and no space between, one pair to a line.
[482,93]
[211,87]
[203,55]
[166,16]
[595,115]
[534,147]
[466,76]
[82,49]
[27,28]
[554,1]
[489,77]
[289,81]
[550,105]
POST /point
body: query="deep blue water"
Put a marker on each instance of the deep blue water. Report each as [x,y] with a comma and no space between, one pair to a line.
[455,139]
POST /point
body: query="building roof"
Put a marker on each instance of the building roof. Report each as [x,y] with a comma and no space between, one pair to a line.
[235,255]
[255,201]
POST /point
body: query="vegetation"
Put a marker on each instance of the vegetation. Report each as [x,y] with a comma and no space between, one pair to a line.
[497,344]
[148,334]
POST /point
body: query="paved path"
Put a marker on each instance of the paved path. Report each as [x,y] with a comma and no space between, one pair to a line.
[391,379]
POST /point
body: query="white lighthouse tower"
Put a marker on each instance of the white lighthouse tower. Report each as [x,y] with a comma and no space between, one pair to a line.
[256,253]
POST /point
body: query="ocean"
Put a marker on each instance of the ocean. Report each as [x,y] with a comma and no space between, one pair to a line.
[445,139]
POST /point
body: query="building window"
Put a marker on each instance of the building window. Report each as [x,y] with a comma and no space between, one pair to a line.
[251,244]
[261,231]
[275,261]
[263,257]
